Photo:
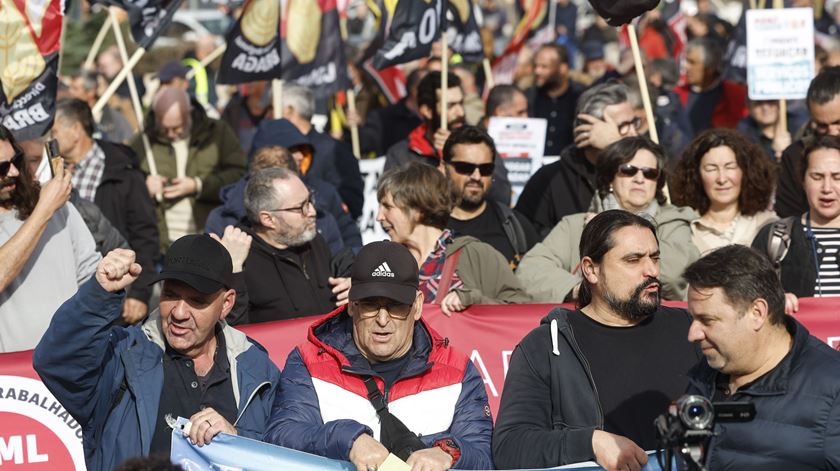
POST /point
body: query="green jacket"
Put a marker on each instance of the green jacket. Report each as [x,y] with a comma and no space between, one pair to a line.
[550,269]
[215,157]
[486,274]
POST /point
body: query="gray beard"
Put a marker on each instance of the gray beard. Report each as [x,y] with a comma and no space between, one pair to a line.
[296,240]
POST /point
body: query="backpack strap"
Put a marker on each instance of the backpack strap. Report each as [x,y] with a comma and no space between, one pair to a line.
[513,231]
[446,275]
[778,242]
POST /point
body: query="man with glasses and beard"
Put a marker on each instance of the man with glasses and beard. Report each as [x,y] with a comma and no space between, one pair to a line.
[287,266]
[372,376]
[587,384]
[469,157]
[46,250]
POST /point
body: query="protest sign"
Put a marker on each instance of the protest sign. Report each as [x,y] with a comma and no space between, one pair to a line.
[780,53]
[520,143]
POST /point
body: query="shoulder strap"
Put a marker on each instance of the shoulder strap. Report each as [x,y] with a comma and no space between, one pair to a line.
[778,242]
[446,275]
[375,395]
[513,230]
[393,433]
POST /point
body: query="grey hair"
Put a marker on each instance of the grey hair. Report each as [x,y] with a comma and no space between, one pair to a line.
[594,100]
[259,192]
[89,79]
[711,53]
[300,98]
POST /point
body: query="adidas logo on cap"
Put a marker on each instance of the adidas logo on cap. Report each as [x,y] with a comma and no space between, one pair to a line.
[383,270]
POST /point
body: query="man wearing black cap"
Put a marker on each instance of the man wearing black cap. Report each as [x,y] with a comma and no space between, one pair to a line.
[373,376]
[122,383]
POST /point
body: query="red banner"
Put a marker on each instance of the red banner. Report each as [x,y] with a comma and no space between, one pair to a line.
[488,334]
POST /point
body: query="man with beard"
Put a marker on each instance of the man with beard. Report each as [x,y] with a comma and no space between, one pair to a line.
[425,143]
[554,96]
[46,251]
[469,156]
[587,384]
[289,270]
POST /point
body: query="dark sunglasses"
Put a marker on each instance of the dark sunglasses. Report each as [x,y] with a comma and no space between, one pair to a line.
[466,168]
[628,170]
[17,161]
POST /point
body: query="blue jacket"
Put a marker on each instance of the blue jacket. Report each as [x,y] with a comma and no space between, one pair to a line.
[333,223]
[84,361]
[797,412]
[322,405]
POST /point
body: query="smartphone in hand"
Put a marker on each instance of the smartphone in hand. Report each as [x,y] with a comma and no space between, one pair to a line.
[53,155]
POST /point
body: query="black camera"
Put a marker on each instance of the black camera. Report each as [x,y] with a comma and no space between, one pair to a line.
[685,430]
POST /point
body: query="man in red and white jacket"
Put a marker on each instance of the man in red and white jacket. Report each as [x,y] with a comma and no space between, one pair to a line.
[325,406]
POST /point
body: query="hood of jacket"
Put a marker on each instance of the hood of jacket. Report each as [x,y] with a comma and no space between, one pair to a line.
[277,132]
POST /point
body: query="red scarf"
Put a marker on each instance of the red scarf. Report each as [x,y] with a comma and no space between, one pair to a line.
[418,143]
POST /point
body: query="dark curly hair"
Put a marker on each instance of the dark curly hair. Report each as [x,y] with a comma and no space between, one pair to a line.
[27,190]
[759,172]
[622,152]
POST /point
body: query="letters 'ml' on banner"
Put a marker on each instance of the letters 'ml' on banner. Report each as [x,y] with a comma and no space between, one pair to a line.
[253,45]
[29,49]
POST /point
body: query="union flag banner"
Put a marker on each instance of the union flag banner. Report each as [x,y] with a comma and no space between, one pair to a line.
[30,35]
[253,45]
[148,18]
[407,30]
[462,30]
[312,51]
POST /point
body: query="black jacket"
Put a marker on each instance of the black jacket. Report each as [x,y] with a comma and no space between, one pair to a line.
[799,268]
[288,283]
[797,403]
[106,236]
[790,196]
[385,127]
[124,200]
[345,175]
[557,190]
[550,405]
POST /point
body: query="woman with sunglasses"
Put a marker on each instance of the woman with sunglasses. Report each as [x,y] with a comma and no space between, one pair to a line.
[629,176]
[729,181]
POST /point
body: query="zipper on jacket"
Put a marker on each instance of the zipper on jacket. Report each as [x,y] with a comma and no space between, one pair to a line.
[580,355]
[250,398]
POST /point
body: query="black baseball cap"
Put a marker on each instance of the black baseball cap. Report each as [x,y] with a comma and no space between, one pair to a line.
[172,70]
[199,261]
[385,269]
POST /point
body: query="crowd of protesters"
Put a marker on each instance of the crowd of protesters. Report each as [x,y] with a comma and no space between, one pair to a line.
[616,224]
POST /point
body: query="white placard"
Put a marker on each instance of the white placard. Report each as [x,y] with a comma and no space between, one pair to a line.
[521,143]
[780,53]
[371,171]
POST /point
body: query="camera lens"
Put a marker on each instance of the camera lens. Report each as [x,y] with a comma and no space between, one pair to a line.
[695,412]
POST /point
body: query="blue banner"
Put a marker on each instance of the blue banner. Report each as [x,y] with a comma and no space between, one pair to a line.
[229,452]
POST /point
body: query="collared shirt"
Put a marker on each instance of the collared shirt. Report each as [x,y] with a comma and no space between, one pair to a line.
[87,174]
[742,230]
[432,269]
[184,392]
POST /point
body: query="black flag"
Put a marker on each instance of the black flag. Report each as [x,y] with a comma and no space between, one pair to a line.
[410,29]
[462,31]
[312,50]
[253,45]
[29,48]
[148,18]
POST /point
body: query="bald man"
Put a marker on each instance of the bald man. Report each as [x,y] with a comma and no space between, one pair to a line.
[195,157]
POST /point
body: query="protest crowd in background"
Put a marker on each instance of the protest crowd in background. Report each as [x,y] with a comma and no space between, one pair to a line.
[553,152]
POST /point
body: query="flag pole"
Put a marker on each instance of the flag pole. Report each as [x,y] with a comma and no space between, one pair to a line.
[640,74]
[97,44]
[444,76]
[354,129]
[135,98]
[489,83]
[277,97]
[207,60]
[779,4]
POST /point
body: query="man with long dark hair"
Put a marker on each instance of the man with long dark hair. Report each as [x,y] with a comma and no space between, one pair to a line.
[587,384]
[46,251]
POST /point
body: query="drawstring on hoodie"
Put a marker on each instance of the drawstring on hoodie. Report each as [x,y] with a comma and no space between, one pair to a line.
[554,345]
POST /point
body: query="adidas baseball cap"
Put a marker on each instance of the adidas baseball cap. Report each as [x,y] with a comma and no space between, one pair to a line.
[385,269]
[199,261]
